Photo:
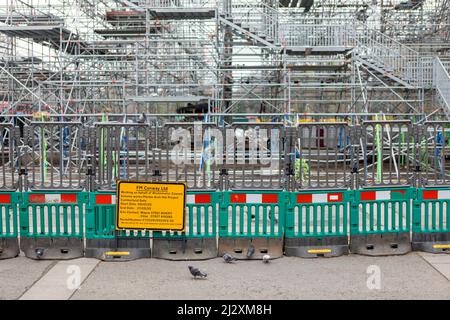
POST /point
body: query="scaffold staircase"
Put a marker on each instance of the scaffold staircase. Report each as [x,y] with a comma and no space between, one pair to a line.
[255,22]
[264,25]
[387,57]
[441,82]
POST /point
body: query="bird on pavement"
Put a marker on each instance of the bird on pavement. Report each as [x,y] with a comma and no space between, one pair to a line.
[39,252]
[266,258]
[228,258]
[250,251]
[196,272]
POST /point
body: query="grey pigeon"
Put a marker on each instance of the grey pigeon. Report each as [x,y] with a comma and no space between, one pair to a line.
[39,252]
[250,251]
[196,272]
[228,258]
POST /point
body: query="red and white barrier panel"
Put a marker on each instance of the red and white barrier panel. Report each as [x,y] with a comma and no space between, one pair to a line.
[52,198]
[198,199]
[381,195]
[253,198]
[319,197]
[436,194]
[105,199]
[5,198]
[190,199]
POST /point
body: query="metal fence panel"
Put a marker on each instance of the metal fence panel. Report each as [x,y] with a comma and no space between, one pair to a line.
[386,156]
[53,154]
[9,150]
[433,151]
[193,154]
[254,156]
[125,151]
[321,156]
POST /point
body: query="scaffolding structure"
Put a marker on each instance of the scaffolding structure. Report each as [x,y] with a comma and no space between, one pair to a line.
[226,56]
[307,115]
[67,66]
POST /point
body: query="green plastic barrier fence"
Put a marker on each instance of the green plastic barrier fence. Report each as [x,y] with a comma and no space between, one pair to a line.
[431,220]
[251,224]
[380,221]
[199,239]
[248,224]
[51,224]
[9,209]
[103,241]
[317,223]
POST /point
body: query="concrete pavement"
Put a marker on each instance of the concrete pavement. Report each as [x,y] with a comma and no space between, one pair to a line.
[412,276]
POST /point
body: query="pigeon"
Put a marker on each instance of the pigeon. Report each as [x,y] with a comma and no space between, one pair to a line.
[266,258]
[250,251]
[196,272]
[228,258]
[39,253]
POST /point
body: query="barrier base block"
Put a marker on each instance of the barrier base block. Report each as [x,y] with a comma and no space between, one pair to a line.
[314,247]
[238,247]
[434,242]
[52,248]
[391,243]
[185,248]
[9,248]
[120,249]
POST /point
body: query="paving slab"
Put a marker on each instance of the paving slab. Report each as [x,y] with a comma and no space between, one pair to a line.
[441,262]
[62,280]
[17,275]
[401,277]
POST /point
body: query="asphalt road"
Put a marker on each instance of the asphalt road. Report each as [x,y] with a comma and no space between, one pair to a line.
[411,276]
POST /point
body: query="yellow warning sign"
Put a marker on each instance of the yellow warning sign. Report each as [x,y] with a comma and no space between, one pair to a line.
[150,205]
